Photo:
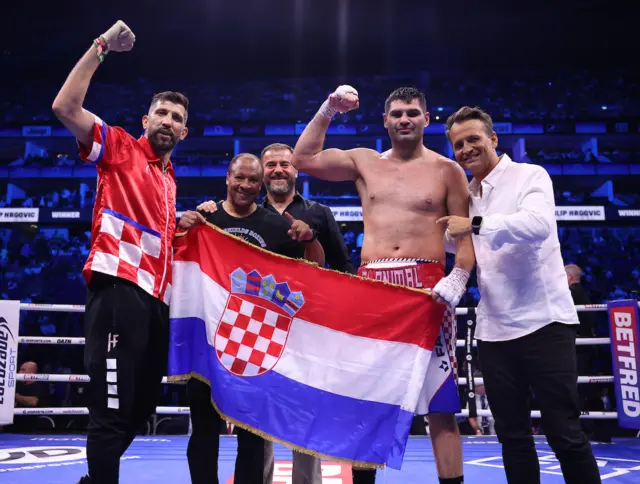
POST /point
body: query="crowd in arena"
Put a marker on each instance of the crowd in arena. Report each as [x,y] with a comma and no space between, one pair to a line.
[554,97]
[42,264]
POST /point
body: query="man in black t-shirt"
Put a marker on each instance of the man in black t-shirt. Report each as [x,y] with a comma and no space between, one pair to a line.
[261,228]
[279,180]
[241,216]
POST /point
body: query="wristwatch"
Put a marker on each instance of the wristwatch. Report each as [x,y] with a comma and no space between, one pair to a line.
[315,236]
[476,223]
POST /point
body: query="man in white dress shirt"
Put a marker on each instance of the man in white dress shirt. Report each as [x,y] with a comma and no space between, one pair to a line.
[526,320]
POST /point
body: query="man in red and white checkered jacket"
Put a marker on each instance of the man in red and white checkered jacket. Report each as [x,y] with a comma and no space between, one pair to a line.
[128,270]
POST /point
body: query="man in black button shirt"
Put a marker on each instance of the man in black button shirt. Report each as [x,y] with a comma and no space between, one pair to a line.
[241,216]
[280,181]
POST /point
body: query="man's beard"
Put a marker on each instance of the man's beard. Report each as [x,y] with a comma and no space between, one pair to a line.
[161,146]
[279,188]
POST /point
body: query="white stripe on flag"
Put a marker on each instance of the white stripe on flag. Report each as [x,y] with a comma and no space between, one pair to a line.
[352,366]
[183,303]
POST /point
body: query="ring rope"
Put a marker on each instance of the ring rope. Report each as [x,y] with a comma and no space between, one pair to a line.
[72,308]
[58,378]
[185,411]
[79,308]
[56,340]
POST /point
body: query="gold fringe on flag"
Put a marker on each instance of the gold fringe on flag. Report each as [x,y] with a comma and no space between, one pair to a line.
[353,463]
[355,276]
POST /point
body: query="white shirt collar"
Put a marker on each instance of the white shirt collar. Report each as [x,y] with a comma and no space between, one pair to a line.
[492,178]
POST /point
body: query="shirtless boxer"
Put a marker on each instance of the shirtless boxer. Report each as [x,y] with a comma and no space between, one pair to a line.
[403,192]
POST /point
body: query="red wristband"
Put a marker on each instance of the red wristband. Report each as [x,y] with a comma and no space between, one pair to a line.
[102,48]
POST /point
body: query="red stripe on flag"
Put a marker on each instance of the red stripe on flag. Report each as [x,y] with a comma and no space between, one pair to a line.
[356,306]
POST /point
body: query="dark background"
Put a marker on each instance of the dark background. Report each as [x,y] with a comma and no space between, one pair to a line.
[198,39]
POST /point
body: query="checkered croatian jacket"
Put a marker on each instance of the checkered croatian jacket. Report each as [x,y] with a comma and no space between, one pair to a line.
[134,218]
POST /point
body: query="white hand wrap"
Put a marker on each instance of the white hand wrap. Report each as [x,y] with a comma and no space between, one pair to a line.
[452,287]
[326,110]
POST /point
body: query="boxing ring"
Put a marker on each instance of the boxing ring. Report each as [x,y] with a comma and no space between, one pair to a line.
[57,458]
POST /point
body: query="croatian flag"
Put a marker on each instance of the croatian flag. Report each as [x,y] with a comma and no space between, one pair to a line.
[327,363]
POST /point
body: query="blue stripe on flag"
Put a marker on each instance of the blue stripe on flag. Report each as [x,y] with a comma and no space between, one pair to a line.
[132,222]
[331,424]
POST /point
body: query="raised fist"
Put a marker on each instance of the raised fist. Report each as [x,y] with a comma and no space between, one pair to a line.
[119,38]
[344,99]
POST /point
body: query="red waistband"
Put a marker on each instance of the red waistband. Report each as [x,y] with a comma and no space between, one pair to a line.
[420,276]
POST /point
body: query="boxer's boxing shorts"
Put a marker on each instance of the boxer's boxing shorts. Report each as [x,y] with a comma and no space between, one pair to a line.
[440,389]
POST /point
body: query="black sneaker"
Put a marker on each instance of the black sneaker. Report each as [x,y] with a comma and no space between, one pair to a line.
[85,480]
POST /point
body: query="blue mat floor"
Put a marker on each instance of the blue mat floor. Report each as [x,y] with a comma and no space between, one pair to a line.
[162,459]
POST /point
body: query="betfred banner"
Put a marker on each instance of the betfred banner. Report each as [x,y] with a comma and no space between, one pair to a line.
[625,351]
[9,320]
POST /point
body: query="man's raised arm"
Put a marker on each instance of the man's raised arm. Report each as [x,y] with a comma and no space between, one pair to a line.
[68,103]
[308,155]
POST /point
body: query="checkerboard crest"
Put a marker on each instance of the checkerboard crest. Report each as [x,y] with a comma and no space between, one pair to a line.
[251,337]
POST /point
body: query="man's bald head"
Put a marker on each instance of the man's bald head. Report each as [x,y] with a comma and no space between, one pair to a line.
[29,367]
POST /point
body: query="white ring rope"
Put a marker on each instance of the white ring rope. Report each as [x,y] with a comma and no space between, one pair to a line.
[55,378]
[185,411]
[71,308]
[79,308]
[55,340]
[43,340]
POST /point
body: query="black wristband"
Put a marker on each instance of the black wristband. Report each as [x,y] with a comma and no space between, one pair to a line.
[312,239]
